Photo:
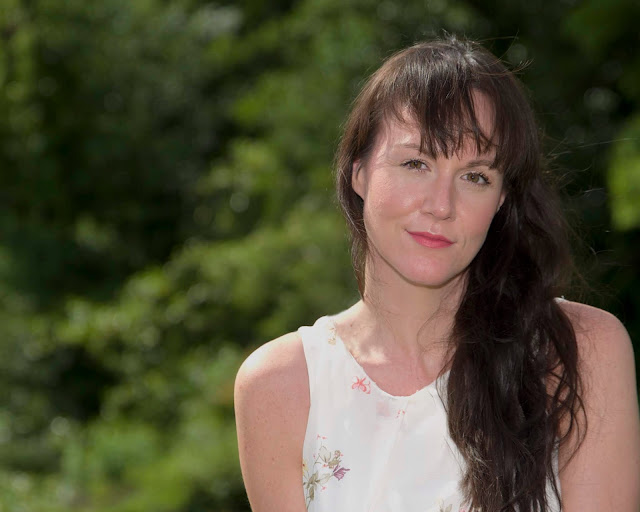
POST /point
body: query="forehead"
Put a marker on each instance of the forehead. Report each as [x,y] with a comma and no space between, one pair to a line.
[474,135]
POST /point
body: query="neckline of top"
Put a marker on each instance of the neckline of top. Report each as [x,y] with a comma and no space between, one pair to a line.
[331,331]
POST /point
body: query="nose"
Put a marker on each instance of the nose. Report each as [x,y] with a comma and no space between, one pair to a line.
[439,198]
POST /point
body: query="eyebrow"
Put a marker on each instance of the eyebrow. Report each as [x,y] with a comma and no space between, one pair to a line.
[473,163]
[481,162]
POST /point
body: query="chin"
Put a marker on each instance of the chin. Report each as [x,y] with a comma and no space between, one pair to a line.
[433,284]
[432,273]
[430,278]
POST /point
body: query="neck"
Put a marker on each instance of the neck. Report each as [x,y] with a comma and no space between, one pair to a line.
[413,319]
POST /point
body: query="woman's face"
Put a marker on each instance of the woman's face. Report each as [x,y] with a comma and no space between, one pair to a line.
[426,216]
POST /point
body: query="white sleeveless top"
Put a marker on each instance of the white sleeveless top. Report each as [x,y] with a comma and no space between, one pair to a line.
[368,451]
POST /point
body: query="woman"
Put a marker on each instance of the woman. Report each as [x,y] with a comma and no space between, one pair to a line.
[459,381]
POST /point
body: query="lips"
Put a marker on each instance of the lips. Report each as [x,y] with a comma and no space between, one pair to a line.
[429,240]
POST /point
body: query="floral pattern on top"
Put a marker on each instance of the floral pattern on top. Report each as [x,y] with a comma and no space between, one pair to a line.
[326,465]
[331,339]
[362,384]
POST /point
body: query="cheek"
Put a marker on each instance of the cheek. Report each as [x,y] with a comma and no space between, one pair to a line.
[479,217]
[389,197]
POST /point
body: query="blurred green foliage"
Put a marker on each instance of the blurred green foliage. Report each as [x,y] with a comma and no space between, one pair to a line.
[167,205]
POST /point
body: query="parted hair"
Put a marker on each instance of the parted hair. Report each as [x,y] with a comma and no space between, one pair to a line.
[513,391]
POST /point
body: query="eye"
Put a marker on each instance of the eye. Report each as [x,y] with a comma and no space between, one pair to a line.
[479,178]
[415,165]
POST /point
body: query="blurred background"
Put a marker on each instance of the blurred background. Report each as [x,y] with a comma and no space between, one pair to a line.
[167,205]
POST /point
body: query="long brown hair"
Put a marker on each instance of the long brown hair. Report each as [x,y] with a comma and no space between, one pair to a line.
[510,336]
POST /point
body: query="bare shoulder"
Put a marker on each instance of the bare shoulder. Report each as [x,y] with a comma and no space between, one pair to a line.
[271,400]
[604,472]
[600,335]
[277,369]
[281,358]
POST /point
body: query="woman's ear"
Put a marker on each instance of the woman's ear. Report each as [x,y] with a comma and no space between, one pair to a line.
[358,178]
[503,196]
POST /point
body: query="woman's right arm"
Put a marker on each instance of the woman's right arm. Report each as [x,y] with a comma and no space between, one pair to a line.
[272,406]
